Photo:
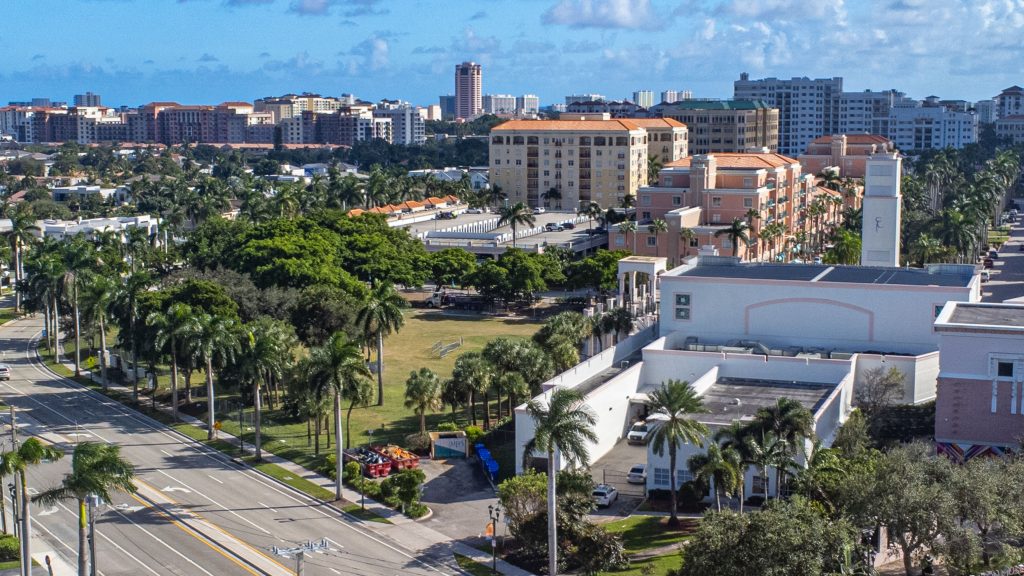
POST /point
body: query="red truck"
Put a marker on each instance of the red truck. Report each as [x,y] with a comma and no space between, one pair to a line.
[400,458]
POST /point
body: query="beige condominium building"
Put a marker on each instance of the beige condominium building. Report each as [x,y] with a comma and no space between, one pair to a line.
[562,164]
[725,125]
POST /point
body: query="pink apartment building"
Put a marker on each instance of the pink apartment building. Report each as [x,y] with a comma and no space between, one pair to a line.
[846,152]
[705,193]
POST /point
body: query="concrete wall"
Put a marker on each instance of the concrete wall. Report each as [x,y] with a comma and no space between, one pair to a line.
[827,314]
[919,373]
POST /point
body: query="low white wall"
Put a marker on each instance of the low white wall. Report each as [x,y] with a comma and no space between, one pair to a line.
[920,373]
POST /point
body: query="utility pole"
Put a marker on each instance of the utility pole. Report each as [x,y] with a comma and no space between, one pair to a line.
[300,552]
[26,527]
[94,501]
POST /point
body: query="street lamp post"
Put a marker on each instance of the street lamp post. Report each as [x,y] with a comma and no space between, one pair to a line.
[14,508]
[494,512]
[93,501]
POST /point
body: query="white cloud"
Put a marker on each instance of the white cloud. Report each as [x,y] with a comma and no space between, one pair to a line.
[628,14]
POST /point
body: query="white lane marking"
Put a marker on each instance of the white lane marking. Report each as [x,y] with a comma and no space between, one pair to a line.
[333,570]
[105,537]
[218,504]
[218,457]
[267,507]
[165,545]
[214,479]
[176,489]
[167,453]
[51,510]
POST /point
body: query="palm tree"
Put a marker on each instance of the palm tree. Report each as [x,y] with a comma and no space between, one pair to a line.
[31,452]
[956,230]
[788,419]
[23,224]
[553,193]
[96,470]
[496,196]
[846,248]
[381,315]
[423,393]
[654,167]
[126,305]
[46,283]
[627,227]
[563,426]
[656,227]
[264,352]
[766,451]
[79,258]
[672,405]
[686,235]
[215,337]
[99,294]
[927,249]
[737,232]
[170,327]
[340,361]
[591,210]
[516,215]
[472,375]
[720,468]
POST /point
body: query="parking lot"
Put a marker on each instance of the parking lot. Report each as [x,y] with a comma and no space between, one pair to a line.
[613,468]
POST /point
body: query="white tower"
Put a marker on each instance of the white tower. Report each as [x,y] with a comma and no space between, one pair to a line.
[880,234]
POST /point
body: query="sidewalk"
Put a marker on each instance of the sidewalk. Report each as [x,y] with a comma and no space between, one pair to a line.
[425,542]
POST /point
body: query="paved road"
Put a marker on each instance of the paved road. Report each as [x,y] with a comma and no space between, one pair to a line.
[1008,274]
[197,512]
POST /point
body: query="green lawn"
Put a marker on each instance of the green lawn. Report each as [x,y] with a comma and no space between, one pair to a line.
[641,533]
[657,566]
[472,566]
[7,314]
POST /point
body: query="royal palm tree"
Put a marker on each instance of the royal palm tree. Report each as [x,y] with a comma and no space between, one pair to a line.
[737,232]
[956,230]
[23,224]
[720,468]
[592,210]
[655,228]
[846,248]
[264,353]
[46,284]
[766,451]
[496,196]
[686,235]
[126,305]
[563,425]
[927,249]
[340,361]
[381,315]
[31,452]
[170,327]
[216,337]
[79,260]
[96,470]
[672,407]
[628,227]
[423,393]
[99,291]
[516,215]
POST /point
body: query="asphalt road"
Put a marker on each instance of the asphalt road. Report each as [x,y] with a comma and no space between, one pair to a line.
[197,513]
[1008,272]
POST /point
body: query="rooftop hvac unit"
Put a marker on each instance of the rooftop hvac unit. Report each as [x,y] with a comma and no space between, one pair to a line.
[624,364]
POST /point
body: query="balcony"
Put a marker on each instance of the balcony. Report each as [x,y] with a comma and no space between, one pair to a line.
[584,152]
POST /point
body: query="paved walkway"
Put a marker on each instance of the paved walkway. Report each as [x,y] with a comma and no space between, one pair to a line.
[412,534]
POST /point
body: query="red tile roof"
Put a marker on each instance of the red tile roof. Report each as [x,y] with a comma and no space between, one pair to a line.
[747,160]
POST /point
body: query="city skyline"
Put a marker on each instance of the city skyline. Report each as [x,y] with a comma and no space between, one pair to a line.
[206,51]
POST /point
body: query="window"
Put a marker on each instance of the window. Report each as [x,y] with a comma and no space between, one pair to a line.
[1004,369]
[653,241]
[620,240]
[661,476]
[938,310]
[668,180]
[682,306]
[677,200]
[645,200]
[716,218]
[716,201]
[748,202]
[646,216]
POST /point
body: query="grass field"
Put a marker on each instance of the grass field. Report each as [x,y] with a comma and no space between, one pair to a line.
[641,533]
[408,350]
[657,566]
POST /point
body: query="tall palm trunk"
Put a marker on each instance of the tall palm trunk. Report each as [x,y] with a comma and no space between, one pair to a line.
[46,326]
[470,409]
[380,367]
[256,410]
[764,477]
[552,516]
[103,352]
[348,424]
[210,399]
[188,381]
[26,521]
[316,437]
[17,275]
[174,380]
[78,339]
[135,361]
[56,328]
[339,462]
[83,555]
[673,519]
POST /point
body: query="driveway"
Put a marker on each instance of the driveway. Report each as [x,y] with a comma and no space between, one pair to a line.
[612,469]
[459,495]
[1008,273]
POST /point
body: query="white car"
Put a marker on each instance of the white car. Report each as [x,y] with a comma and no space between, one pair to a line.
[637,474]
[605,495]
[538,210]
[5,372]
[638,433]
[475,211]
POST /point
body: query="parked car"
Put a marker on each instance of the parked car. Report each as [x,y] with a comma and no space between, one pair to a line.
[986,275]
[637,474]
[553,227]
[475,211]
[988,263]
[5,372]
[538,210]
[993,254]
[605,495]
[638,433]
[568,226]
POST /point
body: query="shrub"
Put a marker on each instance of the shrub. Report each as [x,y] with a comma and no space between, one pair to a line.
[10,548]
[416,510]
[418,443]
[447,427]
[352,472]
[473,434]
[327,466]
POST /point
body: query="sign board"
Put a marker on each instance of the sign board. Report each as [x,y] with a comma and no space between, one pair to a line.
[445,445]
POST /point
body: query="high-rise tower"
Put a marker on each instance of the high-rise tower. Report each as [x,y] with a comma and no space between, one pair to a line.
[468,86]
[880,232]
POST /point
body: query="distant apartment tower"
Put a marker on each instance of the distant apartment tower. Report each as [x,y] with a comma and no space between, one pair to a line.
[598,161]
[807,108]
[643,98]
[1010,102]
[528,104]
[468,86]
[868,112]
[927,124]
[574,98]
[986,111]
[87,99]
[499,104]
[448,108]
[1012,128]
[670,96]
[407,126]
[725,125]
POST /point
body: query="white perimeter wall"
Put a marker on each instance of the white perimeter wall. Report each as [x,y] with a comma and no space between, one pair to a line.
[851,317]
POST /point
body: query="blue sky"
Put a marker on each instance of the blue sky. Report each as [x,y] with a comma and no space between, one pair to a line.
[208,51]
